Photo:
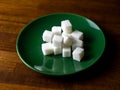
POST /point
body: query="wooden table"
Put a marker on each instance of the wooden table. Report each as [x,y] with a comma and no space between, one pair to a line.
[15,14]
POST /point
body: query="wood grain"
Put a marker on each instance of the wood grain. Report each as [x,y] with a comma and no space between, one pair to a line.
[15,14]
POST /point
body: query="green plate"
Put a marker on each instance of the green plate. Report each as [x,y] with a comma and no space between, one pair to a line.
[29,42]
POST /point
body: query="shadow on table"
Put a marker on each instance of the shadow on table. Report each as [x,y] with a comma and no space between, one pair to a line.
[101,66]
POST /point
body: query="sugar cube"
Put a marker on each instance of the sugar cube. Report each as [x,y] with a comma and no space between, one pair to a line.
[66,26]
[65,34]
[78,54]
[47,36]
[47,48]
[57,50]
[56,30]
[77,43]
[67,41]
[57,40]
[66,52]
[77,34]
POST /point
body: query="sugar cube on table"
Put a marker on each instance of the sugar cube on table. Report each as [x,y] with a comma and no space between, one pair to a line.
[47,48]
[47,36]
[77,43]
[57,40]
[66,52]
[78,54]
[56,30]
[67,41]
[57,50]
[77,34]
[66,26]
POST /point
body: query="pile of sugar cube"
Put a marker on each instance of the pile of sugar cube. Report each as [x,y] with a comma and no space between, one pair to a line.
[62,40]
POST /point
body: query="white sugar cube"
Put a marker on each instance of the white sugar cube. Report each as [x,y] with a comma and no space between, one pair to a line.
[77,43]
[66,52]
[65,34]
[47,48]
[57,40]
[66,26]
[78,54]
[67,41]
[47,36]
[56,30]
[77,34]
[57,50]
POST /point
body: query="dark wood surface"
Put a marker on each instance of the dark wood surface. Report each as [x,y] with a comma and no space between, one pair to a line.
[15,14]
